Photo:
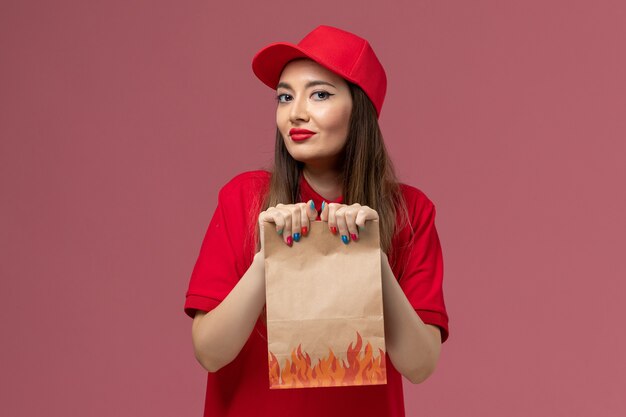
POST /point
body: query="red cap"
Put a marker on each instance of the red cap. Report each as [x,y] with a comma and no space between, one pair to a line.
[344,53]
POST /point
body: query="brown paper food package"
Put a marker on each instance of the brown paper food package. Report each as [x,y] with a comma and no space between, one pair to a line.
[324,309]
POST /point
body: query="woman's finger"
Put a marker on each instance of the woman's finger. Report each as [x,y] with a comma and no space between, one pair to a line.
[324,212]
[296,221]
[311,215]
[342,226]
[282,215]
[312,211]
[308,212]
[365,213]
[332,223]
[350,216]
[273,215]
[287,230]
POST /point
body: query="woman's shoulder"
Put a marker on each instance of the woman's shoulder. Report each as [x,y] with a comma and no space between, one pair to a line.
[417,211]
[245,182]
[414,196]
[245,185]
[419,207]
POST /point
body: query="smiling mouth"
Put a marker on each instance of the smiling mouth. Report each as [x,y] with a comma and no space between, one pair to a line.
[298,135]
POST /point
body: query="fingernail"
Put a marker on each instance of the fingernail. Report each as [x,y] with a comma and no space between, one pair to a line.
[305,231]
[289,241]
[323,204]
[354,237]
[280,232]
[296,237]
[312,204]
[361,228]
[345,239]
[333,230]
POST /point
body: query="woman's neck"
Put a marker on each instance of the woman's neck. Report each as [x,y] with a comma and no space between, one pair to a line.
[325,182]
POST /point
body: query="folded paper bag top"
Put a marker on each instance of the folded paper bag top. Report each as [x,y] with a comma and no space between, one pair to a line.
[324,309]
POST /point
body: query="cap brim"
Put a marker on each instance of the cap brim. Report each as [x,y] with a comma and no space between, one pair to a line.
[269,62]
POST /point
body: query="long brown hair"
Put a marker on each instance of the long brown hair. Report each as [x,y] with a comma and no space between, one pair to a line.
[368,176]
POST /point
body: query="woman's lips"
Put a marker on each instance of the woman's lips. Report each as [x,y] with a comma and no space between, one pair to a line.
[298,135]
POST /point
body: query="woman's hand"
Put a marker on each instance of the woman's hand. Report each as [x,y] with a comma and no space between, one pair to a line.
[347,220]
[292,220]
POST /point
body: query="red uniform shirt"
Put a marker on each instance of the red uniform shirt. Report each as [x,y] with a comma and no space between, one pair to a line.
[241,388]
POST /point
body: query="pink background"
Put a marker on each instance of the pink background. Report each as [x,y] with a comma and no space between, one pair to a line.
[120,120]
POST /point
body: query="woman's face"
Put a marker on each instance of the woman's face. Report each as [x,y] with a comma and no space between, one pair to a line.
[314,106]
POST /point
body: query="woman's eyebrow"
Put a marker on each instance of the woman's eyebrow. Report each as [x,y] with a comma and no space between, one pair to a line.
[308,85]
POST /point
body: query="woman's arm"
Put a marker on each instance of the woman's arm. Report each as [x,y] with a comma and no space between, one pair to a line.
[219,335]
[412,345]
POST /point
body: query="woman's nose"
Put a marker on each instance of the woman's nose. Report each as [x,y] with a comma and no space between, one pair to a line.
[299,111]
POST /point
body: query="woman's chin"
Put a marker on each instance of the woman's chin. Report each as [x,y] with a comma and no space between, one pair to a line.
[302,157]
[320,161]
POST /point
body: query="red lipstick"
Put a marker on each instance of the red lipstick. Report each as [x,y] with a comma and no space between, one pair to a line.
[298,135]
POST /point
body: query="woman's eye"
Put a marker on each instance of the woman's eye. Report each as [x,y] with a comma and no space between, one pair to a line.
[283,98]
[321,95]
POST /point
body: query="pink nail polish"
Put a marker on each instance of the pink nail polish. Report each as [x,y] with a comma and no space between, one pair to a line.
[289,240]
[354,237]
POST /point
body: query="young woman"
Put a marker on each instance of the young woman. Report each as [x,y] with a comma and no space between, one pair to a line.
[330,165]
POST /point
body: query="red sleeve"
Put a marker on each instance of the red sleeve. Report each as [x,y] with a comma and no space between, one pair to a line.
[422,270]
[226,251]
